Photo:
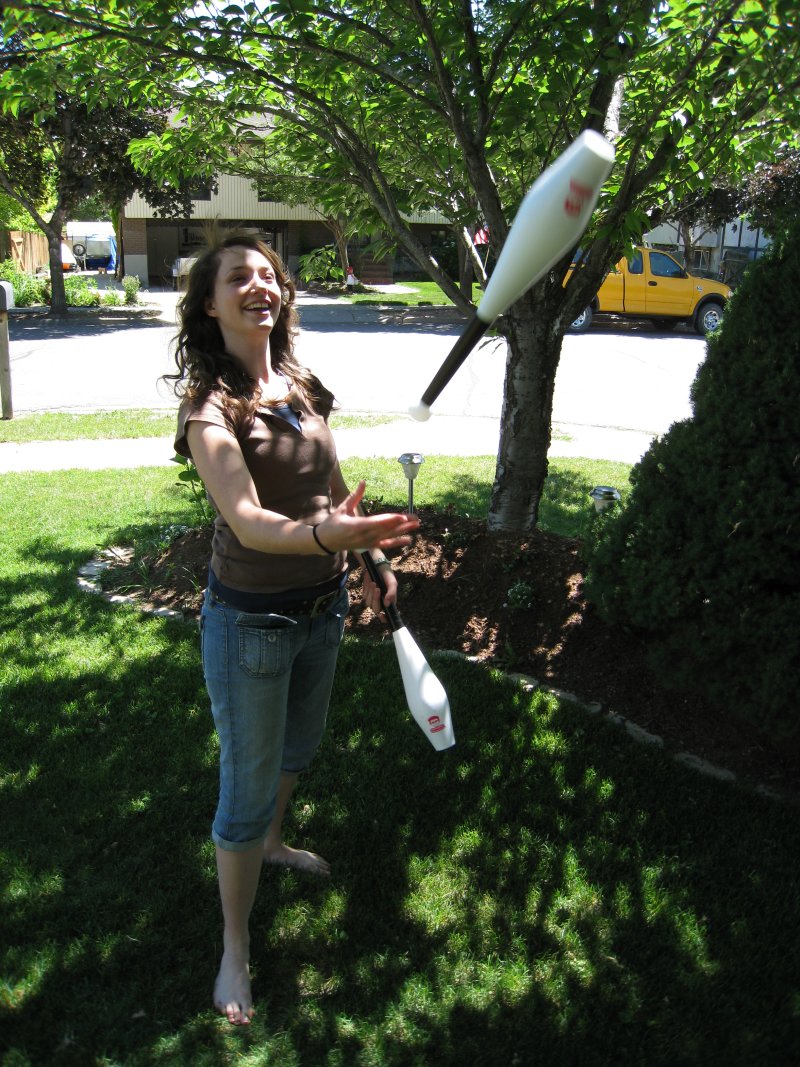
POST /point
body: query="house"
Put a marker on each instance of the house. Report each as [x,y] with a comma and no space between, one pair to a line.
[722,253]
[152,247]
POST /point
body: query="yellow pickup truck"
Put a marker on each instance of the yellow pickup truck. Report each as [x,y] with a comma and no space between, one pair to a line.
[653,285]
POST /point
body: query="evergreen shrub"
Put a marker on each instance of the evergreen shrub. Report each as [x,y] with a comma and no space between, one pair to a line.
[702,559]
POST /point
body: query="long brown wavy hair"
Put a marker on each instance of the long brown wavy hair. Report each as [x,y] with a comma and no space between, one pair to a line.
[199,350]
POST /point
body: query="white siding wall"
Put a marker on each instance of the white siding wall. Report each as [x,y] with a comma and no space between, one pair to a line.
[741,234]
[715,244]
[237,199]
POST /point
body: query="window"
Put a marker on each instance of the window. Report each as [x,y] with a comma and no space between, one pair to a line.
[664,266]
[635,265]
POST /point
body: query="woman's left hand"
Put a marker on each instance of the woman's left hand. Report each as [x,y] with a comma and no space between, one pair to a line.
[372,594]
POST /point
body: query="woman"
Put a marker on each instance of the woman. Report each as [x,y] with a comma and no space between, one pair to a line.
[254,422]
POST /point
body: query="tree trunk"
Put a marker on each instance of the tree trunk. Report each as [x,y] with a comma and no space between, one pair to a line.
[465,272]
[336,225]
[688,245]
[341,248]
[534,349]
[58,298]
[117,217]
[340,239]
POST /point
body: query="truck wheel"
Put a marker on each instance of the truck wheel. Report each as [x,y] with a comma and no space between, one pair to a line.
[78,249]
[708,318]
[583,321]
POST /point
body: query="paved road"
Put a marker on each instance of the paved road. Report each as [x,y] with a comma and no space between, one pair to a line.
[615,387]
[371,359]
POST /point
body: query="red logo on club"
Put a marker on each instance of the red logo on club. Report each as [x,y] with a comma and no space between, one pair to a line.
[576,197]
[432,722]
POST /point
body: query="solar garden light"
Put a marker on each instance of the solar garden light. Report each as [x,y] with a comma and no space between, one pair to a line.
[603,496]
[411,462]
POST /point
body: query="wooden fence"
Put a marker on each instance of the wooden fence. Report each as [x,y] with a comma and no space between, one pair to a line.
[28,250]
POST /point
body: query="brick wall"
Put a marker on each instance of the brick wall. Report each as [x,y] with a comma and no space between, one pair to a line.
[134,236]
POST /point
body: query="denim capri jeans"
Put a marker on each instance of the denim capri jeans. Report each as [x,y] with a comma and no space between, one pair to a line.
[269,678]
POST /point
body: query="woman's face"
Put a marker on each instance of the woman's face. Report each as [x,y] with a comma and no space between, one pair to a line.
[246,299]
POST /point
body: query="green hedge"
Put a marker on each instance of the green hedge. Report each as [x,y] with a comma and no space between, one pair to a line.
[81,291]
[702,559]
[29,289]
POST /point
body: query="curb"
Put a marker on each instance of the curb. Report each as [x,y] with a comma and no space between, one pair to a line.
[637,733]
[121,311]
[310,314]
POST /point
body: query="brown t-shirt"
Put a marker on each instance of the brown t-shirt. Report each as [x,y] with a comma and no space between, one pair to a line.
[291,471]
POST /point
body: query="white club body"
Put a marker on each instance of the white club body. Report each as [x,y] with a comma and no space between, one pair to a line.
[427,700]
[425,695]
[551,218]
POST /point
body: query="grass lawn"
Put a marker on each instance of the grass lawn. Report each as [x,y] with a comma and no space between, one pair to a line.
[420,294]
[547,892]
[97,425]
[65,426]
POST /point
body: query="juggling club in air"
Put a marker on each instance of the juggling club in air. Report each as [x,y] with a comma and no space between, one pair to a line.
[551,219]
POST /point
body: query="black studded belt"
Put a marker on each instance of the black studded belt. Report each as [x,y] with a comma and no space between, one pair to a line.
[313,600]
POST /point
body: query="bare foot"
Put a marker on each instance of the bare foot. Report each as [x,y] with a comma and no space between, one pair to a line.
[232,996]
[283,856]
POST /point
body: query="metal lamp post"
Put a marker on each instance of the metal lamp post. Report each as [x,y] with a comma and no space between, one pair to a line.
[411,462]
[6,302]
[603,496]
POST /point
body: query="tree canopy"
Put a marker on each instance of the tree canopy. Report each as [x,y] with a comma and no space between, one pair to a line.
[458,107]
[768,196]
[771,196]
[59,145]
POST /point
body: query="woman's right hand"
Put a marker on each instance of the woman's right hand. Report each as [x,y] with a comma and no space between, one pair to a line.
[347,530]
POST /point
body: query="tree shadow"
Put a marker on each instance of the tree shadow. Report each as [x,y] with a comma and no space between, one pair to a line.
[543,892]
[367,317]
[564,507]
[608,323]
[36,325]
[514,851]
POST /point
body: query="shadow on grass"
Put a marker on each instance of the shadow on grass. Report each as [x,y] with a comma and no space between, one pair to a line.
[544,892]
[109,777]
[565,507]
